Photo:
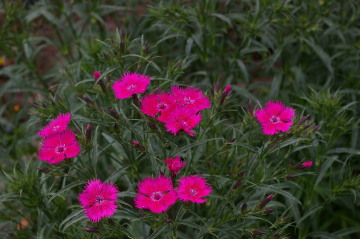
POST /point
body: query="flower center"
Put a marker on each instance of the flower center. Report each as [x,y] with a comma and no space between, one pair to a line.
[188,100]
[131,87]
[275,119]
[162,106]
[60,149]
[156,196]
[99,199]
[56,127]
[193,192]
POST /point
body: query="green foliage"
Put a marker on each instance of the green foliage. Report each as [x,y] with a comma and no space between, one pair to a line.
[303,53]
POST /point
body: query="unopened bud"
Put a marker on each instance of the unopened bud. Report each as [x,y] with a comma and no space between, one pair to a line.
[258,232]
[216,87]
[168,220]
[290,176]
[237,184]
[250,107]
[231,140]
[43,170]
[136,144]
[226,92]
[136,100]
[285,219]
[308,125]
[96,75]
[306,164]
[241,174]
[267,211]
[88,133]
[152,126]
[91,229]
[266,200]
[114,113]
[122,43]
[316,128]
[244,207]
[303,119]
[102,85]
[88,100]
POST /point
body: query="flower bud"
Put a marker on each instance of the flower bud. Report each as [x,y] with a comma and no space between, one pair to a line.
[266,200]
[91,229]
[285,219]
[88,100]
[250,107]
[88,133]
[231,140]
[315,128]
[114,114]
[267,211]
[226,92]
[43,170]
[96,75]
[303,119]
[237,184]
[258,232]
[216,87]
[152,126]
[136,144]
[306,164]
[241,174]
[244,207]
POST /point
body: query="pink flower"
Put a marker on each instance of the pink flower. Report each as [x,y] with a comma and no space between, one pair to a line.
[175,164]
[57,125]
[191,98]
[98,199]
[155,194]
[58,147]
[193,188]
[307,164]
[275,117]
[130,84]
[96,75]
[155,103]
[181,119]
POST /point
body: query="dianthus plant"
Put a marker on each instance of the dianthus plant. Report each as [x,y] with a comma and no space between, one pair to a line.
[137,150]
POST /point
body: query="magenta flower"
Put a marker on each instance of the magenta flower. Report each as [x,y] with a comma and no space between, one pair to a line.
[275,117]
[191,98]
[155,194]
[130,84]
[175,164]
[98,199]
[155,103]
[58,147]
[182,119]
[96,75]
[193,188]
[57,125]
[307,164]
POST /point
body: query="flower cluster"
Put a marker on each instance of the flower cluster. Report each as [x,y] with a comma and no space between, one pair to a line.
[158,194]
[59,142]
[179,109]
